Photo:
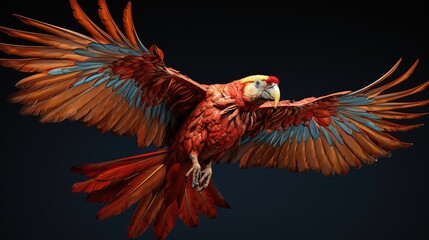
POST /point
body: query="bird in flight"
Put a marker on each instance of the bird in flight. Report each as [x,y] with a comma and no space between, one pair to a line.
[109,80]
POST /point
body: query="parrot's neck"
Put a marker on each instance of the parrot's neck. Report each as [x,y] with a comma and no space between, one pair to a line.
[235,91]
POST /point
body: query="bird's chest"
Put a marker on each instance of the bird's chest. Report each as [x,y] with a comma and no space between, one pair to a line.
[212,130]
[224,130]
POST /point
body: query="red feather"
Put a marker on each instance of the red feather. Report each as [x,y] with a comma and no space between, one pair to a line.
[165,220]
[188,211]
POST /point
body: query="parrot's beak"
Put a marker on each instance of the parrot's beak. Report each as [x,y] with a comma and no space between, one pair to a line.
[272,93]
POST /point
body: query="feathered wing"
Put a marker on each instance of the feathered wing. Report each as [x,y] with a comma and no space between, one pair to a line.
[109,80]
[330,134]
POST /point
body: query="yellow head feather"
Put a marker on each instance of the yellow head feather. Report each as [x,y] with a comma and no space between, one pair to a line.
[253,78]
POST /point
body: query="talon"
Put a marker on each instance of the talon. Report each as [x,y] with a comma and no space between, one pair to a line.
[196,174]
[207,175]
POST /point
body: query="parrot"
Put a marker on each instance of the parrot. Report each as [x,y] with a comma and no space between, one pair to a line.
[108,79]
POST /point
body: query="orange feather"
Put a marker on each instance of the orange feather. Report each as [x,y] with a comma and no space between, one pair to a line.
[44,39]
[58,31]
[90,26]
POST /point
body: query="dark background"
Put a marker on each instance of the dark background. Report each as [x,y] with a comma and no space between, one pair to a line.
[313,49]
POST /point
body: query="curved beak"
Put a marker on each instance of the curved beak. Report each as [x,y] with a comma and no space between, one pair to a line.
[272,93]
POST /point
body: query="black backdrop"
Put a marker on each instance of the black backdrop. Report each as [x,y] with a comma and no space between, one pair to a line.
[313,49]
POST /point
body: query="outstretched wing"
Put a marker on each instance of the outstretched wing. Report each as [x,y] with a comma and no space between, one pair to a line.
[330,134]
[109,80]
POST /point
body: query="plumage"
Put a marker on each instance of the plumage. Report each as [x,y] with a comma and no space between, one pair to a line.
[45,39]
[109,80]
[61,32]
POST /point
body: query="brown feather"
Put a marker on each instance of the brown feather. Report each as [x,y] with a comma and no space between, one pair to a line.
[153,128]
[90,26]
[73,106]
[159,136]
[33,96]
[31,79]
[301,158]
[394,127]
[125,118]
[355,147]
[269,158]
[38,81]
[110,25]
[325,166]
[291,156]
[44,39]
[126,127]
[259,154]
[347,155]
[340,161]
[40,52]
[331,156]
[62,32]
[370,147]
[44,106]
[382,78]
[34,64]
[98,114]
[398,115]
[310,152]
[383,139]
[119,115]
[345,151]
[129,25]
[343,163]
[137,124]
[377,91]
[397,95]
[98,101]
[283,160]
[114,115]
[394,105]
[248,159]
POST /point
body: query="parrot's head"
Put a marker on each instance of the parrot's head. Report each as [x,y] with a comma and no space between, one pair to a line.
[260,88]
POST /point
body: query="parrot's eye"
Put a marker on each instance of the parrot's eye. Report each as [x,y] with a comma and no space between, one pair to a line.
[257,83]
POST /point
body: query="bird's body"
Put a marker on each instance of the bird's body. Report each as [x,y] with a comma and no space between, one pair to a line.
[215,125]
[111,81]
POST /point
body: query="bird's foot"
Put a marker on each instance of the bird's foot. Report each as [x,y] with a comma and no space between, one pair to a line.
[196,174]
[205,178]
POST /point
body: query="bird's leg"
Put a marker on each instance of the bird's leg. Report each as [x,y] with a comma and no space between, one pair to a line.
[207,175]
[195,170]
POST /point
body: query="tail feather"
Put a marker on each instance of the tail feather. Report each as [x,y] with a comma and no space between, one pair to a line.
[157,184]
[107,194]
[92,170]
[139,187]
[145,213]
[206,204]
[165,220]
[188,211]
[216,196]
